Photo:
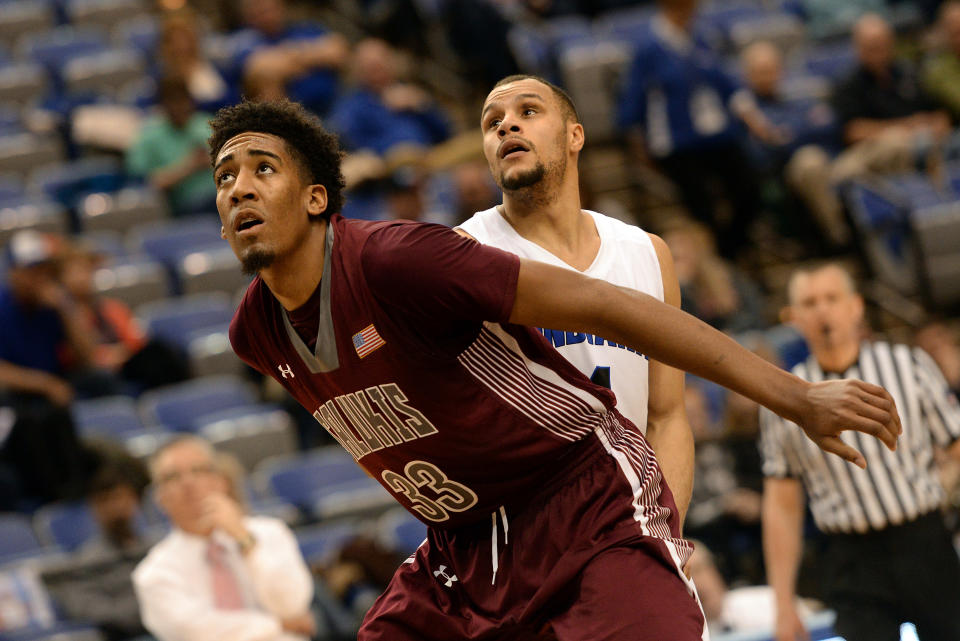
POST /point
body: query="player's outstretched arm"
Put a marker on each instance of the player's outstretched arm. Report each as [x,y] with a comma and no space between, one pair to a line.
[549,296]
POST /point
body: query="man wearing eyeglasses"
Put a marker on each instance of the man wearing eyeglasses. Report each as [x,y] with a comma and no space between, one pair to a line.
[219,574]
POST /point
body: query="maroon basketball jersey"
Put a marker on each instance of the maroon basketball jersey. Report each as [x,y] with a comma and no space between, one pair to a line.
[419,375]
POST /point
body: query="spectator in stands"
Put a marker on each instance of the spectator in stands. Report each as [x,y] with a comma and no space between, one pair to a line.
[39,443]
[300,61]
[407,200]
[475,189]
[690,110]
[95,585]
[120,345]
[938,340]
[941,73]
[806,136]
[181,55]
[219,574]
[169,151]
[115,496]
[382,112]
[829,18]
[39,322]
[725,504]
[888,121]
[711,288]
[745,609]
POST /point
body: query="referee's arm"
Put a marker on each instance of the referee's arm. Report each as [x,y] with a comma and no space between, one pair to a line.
[782,518]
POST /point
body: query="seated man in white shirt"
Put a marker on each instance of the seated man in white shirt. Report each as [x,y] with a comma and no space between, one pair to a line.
[219,575]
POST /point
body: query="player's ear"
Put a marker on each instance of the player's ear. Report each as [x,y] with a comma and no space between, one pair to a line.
[223,232]
[316,200]
[577,136]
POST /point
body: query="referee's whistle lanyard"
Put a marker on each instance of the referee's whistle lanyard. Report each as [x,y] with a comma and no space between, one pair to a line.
[494,536]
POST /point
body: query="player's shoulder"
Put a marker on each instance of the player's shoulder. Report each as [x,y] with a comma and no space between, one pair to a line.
[483,226]
[617,231]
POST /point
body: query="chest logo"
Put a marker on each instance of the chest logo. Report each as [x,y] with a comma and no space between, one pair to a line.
[367,341]
[448,578]
[286,372]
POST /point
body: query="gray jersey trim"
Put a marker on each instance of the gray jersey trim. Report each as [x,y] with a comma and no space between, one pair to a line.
[325,358]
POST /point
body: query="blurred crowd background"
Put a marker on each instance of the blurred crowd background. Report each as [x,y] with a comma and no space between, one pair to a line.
[821,130]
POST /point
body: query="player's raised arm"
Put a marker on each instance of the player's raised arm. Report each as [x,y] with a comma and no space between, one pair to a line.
[549,296]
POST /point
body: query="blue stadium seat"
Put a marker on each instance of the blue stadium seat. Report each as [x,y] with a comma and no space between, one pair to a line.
[178,320]
[214,269]
[103,12]
[297,478]
[140,32]
[319,543]
[17,538]
[26,152]
[169,241]
[40,215]
[103,73]
[113,416]
[916,190]
[68,182]
[25,18]
[61,631]
[11,190]
[830,61]
[135,280]
[352,498]
[177,407]
[56,47]
[106,243]
[65,525]
[881,222]
[70,525]
[629,24]
[401,531]
[252,434]
[121,210]
[22,82]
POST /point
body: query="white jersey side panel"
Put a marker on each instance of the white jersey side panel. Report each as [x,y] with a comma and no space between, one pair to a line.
[626,258]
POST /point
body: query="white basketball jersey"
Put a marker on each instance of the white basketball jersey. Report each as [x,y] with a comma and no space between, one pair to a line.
[626,258]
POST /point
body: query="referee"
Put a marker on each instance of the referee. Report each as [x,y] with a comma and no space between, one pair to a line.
[889,557]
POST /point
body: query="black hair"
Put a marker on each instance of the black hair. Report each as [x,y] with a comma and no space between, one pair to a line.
[114,468]
[316,150]
[566,102]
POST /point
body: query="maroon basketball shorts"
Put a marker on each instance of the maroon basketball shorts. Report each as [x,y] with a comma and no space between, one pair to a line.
[593,558]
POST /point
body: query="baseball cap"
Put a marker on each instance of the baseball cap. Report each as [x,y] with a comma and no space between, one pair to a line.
[28,248]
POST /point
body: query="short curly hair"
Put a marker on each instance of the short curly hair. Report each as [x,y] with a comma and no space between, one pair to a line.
[316,150]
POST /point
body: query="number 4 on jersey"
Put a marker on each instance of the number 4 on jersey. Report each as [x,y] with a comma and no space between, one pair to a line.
[601,376]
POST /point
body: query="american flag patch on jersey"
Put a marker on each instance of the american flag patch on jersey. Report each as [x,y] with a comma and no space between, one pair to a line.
[367,340]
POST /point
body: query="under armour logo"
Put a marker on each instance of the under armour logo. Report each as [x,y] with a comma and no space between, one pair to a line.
[449,577]
[286,373]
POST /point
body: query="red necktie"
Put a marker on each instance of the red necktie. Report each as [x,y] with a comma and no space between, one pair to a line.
[226,589]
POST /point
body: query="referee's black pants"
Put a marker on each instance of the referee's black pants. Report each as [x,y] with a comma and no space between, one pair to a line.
[879,580]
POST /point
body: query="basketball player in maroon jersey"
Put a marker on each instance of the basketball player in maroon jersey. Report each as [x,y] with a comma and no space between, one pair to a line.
[412,346]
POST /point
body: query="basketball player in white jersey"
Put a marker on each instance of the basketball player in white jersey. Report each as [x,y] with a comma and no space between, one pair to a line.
[532,140]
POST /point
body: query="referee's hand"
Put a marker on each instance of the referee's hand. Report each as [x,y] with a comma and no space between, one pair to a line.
[849,404]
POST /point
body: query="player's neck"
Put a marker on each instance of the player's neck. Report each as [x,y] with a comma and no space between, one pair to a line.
[293,277]
[556,223]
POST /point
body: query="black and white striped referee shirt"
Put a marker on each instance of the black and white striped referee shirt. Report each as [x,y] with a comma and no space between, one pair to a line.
[896,486]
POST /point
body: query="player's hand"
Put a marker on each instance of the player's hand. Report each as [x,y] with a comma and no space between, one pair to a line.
[789,627]
[848,404]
